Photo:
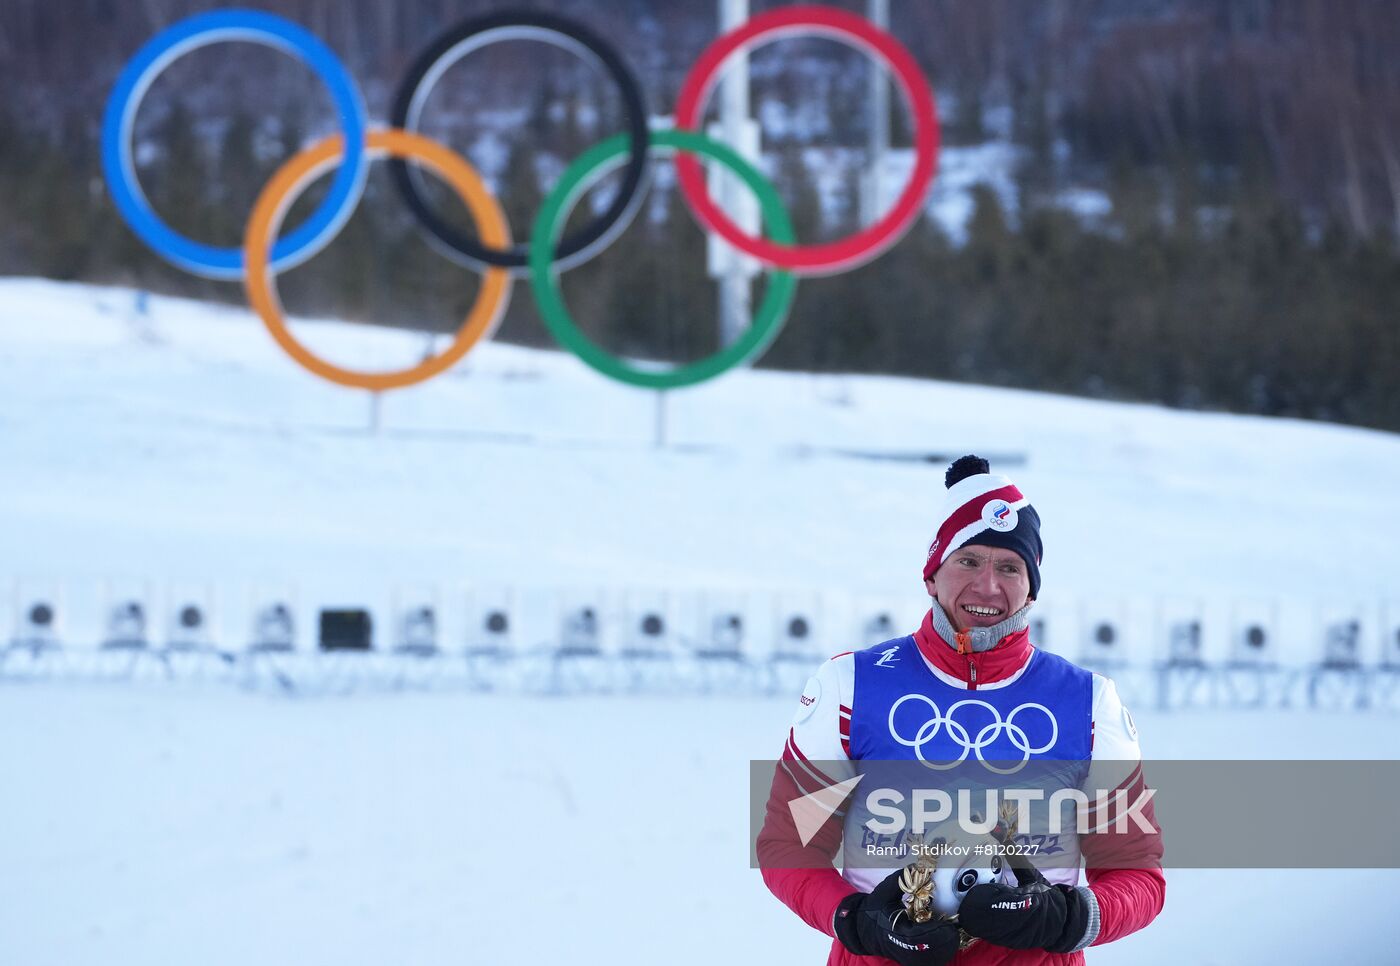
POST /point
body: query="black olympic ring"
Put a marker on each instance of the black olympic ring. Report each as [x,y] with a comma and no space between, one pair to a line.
[477,32]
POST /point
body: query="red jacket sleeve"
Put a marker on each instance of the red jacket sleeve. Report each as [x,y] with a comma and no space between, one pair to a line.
[1128,900]
[1123,866]
[803,877]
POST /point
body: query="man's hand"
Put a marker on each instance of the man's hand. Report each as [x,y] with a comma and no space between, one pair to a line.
[1032,915]
[875,924]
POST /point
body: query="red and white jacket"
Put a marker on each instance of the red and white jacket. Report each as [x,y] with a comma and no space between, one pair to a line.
[803,877]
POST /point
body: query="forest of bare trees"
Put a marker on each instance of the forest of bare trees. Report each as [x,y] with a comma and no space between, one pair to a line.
[1250,148]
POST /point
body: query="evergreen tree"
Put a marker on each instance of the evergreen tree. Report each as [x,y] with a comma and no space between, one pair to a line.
[520,195]
[811,340]
[236,178]
[178,181]
[685,323]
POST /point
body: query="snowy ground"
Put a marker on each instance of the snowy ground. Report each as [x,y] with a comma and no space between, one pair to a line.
[147,824]
[187,446]
[217,827]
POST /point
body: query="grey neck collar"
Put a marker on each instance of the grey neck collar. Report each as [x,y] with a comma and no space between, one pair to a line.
[979,638]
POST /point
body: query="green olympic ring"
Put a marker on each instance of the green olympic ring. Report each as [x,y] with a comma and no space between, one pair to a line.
[544,276]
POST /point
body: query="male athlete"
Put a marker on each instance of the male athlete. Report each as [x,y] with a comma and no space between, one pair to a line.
[901,700]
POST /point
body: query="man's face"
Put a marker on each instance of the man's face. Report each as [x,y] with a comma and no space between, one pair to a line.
[980,586]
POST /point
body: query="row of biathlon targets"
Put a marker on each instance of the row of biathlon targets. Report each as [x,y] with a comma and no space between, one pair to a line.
[127,615]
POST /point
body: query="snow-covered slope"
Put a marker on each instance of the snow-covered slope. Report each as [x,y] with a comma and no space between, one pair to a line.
[186,444]
[159,827]
[152,824]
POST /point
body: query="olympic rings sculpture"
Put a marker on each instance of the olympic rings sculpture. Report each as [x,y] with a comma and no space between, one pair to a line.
[267,251]
[985,735]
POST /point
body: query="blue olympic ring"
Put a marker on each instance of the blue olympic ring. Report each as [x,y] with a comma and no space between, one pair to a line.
[191,34]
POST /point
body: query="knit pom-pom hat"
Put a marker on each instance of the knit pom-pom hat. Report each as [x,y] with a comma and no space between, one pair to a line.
[986,509]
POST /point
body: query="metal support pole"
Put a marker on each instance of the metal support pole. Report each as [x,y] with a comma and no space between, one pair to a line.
[735,296]
[660,437]
[878,142]
[374,404]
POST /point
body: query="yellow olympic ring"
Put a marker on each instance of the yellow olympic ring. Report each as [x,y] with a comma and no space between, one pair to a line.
[293,178]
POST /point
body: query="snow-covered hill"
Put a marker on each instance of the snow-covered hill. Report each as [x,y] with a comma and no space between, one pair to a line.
[154,824]
[184,444]
[175,825]
[164,827]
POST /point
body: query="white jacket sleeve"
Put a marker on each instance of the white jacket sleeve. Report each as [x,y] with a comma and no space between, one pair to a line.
[1116,757]
[817,752]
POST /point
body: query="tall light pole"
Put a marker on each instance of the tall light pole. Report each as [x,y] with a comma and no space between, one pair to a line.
[878,141]
[733,270]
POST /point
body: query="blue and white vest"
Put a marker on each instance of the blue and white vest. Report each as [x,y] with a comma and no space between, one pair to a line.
[901,710]
[1047,712]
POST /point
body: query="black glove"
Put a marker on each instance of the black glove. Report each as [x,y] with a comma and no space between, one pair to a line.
[875,924]
[1033,915]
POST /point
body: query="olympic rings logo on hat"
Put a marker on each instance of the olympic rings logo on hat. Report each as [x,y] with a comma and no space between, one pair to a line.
[985,735]
[266,251]
[1000,516]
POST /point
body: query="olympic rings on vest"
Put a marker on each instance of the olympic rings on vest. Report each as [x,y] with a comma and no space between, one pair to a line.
[265,252]
[172,43]
[472,35]
[864,245]
[304,168]
[987,734]
[576,179]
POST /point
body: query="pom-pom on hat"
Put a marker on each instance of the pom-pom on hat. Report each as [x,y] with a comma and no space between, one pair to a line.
[986,509]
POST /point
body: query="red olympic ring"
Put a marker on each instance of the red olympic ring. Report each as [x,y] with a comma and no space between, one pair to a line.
[855,249]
